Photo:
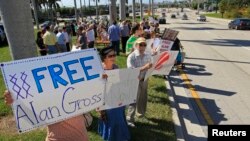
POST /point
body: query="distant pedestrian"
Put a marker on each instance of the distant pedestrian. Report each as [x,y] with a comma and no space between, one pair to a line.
[66,35]
[61,41]
[50,41]
[136,31]
[40,44]
[90,34]
[124,34]
[81,39]
[114,36]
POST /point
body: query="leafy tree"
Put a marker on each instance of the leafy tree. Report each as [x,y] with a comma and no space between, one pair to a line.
[223,7]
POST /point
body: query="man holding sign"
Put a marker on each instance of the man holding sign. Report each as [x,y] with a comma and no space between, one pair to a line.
[139,59]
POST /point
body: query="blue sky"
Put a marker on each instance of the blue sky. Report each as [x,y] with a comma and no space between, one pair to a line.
[70,3]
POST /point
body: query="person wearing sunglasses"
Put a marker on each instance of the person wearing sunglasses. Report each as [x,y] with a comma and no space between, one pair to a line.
[139,59]
[112,125]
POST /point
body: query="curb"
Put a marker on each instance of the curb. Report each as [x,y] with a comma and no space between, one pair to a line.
[186,123]
[177,123]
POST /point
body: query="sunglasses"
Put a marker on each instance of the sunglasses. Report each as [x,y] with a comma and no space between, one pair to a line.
[111,55]
[142,45]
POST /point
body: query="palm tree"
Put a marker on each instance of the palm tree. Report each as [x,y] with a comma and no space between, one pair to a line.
[53,5]
[19,29]
[49,6]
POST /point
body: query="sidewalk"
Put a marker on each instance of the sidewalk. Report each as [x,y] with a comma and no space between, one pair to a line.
[187,125]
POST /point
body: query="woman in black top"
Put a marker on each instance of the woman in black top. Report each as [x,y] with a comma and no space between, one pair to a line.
[40,44]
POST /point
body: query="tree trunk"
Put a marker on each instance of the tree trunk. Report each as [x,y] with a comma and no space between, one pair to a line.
[81,10]
[141,10]
[34,3]
[152,7]
[19,28]
[133,10]
[112,11]
[76,14]
[96,8]
[122,10]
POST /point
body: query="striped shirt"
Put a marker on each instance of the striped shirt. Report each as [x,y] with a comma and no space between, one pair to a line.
[136,60]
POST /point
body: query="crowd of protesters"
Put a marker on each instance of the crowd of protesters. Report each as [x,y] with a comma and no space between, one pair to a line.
[113,124]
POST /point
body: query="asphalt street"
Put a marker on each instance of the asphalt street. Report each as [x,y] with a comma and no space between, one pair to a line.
[218,67]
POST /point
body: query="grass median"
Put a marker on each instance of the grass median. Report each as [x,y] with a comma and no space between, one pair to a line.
[157,125]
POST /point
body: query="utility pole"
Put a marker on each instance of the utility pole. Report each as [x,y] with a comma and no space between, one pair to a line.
[19,28]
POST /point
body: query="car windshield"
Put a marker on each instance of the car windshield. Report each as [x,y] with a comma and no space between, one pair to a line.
[245,20]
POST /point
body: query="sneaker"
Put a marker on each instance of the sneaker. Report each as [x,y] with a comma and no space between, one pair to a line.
[131,124]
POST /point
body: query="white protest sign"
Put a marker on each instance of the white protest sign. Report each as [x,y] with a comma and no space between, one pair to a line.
[121,88]
[74,48]
[153,45]
[166,45]
[162,63]
[53,88]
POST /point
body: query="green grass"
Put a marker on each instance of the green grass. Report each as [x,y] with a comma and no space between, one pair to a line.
[4,56]
[215,15]
[156,126]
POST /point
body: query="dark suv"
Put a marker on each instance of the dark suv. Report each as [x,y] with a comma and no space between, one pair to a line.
[239,23]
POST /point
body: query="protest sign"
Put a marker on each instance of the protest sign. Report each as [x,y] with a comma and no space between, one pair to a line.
[121,88]
[166,45]
[169,34]
[162,63]
[53,88]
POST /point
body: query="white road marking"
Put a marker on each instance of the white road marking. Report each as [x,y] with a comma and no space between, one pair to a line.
[246,48]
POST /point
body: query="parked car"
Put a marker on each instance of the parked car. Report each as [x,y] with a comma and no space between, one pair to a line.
[173,16]
[162,20]
[201,18]
[3,38]
[184,17]
[163,14]
[46,23]
[239,23]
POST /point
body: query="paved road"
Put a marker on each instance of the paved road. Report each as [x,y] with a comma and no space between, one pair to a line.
[218,66]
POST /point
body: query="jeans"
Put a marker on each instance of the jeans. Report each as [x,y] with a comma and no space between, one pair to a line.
[52,49]
[116,46]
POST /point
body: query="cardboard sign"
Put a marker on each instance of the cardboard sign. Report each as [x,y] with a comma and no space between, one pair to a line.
[121,88]
[53,88]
